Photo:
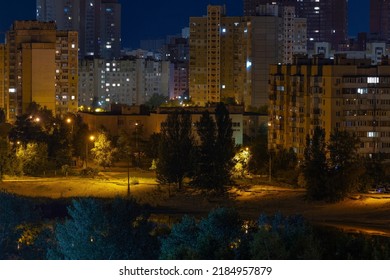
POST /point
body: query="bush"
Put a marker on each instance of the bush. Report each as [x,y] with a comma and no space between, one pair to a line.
[89,172]
[97,230]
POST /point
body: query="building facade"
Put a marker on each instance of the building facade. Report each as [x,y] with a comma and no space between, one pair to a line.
[40,65]
[230,56]
[130,80]
[327,20]
[98,23]
[294,34]
[150,123]
[340,93]
[379,19]
[3,95]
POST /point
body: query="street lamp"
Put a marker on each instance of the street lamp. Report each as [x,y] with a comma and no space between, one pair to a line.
[90,138]
[136,143]
[270,167]
[128,176]
[136,125]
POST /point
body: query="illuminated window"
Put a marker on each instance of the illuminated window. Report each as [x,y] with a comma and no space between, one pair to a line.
[372,134]
[373,80]
[362,90]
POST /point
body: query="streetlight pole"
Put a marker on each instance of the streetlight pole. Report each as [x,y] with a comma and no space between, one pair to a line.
[270,167]
[128,177]
[136,143]
[86,154]
[91,138]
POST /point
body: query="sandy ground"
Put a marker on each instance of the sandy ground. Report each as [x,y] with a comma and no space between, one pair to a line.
[368,213]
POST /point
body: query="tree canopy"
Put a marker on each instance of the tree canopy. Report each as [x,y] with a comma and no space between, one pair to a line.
[175,152]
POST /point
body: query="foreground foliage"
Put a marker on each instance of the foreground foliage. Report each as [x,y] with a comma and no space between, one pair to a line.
[121,229]
[331,170]
[97,231]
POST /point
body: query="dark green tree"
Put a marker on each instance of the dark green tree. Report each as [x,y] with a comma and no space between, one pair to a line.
[215,237]
[373,172]
[315,167]
[156,100]
[284,165]
[5,152]
[181,243]
[2,116]
[259,150]
[14,212]
[216,150]
[205,174]
[27,130]
[284,238]
[343,164]
[131,145]
[175,156]
[225,146]
[220,234]
[60,149]
[104,231]
[331,178]
[152,146]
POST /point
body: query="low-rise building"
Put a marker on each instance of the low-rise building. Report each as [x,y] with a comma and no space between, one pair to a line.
[134,119]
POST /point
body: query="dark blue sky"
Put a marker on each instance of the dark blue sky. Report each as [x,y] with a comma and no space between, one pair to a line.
[155,18]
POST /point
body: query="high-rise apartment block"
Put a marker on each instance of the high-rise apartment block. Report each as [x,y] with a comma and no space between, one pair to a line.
[98,23]
[379,19]
[294,34]
[40,65]
[327,20]
[177,52]
[3,96]
[340,93]
[230,57]
[130,80]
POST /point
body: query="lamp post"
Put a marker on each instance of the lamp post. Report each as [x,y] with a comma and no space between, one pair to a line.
[270,153]
[91,138]
[136,143]
[70,122]
[270,167]
[128,176]
[136,125]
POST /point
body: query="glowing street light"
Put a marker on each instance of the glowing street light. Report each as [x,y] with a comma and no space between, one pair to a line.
[90,138]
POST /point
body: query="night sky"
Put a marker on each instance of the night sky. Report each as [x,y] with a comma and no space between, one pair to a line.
[152,19]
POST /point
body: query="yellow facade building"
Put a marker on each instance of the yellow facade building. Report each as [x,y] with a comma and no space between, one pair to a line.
[230,57]
[345,94]
[40,65]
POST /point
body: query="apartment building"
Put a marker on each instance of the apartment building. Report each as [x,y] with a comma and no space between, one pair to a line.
[230,57]
[98,23]
[340,93]
[327,20]
[129,80]
[40,65]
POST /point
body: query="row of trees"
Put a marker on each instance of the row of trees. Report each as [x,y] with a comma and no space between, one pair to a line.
[122,229]
[334,169]
[38,142]
[208,160]
[203,152]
